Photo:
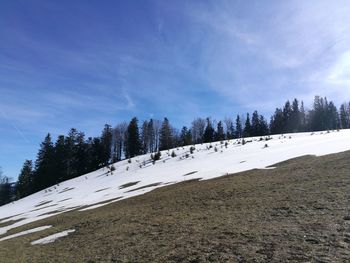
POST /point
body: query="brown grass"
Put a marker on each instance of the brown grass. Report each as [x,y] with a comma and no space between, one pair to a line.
[297,212]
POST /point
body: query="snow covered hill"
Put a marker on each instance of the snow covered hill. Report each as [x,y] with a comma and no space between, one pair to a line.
[139,175]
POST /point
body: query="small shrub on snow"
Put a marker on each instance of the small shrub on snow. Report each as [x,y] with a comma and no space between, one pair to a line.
[173,154]
[192,148]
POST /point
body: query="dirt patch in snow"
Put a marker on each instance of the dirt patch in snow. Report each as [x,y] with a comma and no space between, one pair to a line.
[43,203]
[128,185]
[66,190]
[100,190]
[191,173]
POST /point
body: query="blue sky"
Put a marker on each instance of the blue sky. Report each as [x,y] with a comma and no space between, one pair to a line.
[84,63]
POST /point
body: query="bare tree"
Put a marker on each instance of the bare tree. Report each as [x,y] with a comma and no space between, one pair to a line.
[229,128]
[157,124]
[119,140]
[197,129]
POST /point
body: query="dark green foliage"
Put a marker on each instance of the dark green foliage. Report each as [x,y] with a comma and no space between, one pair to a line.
[345,116]
[166,136]
[192,149]
[44,165]
[185,136]
[133,145]
[6,193]
[220,133]
[156,156]
[239,130]
[209,131]
[24,183]
[247,127]
[106,142]
[73,155]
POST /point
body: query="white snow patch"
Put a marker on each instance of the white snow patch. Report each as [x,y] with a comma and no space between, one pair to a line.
[52,238]
[83,192]
[26,232]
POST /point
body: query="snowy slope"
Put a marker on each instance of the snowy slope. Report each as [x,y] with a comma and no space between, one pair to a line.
[101,187]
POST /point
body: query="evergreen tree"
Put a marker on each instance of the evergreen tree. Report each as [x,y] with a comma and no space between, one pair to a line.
[239,130]
[332,117]
[295,117]
[303,124]
[247,127]
[61,155]
[24,183]
[133,144]
[106,143]
[263,127]
[44,165]
[5,189]
[277,122]
[166,136]
[81,153]
[185,136]
[94,150]
[208,135]
[220,134]
[344,116]
[255,125]
[287,113]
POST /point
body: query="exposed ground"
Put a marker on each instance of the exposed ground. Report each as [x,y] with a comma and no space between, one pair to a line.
[298,212]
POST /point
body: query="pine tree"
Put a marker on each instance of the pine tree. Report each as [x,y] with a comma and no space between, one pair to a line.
[106,143]
[263,127]
[295,117]
[255,125]
[44,165]
[81,152]
[277,122]
[185,136]
[133,142]
[166,136]
[287,113]
[247,127]
[208,135]
[344,116]
[5,189]
[220,134]
[23,187]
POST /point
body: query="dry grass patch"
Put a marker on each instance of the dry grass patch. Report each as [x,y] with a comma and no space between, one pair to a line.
[298,212]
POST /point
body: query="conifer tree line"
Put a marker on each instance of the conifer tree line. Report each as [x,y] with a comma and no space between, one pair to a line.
[72,155]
